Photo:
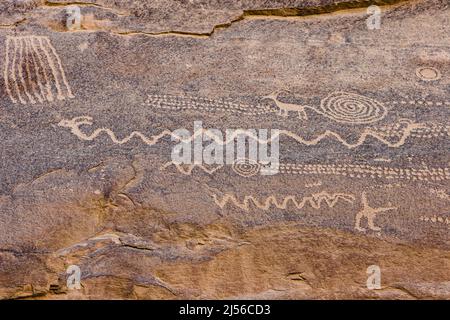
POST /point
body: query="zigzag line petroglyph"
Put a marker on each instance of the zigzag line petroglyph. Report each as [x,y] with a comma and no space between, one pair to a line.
[315,201]
[187,168]
[33,71]
[75,123]
[313,184]
[362,138]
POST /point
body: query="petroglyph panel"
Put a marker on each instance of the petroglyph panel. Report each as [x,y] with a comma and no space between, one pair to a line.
[246,169]
[90,119]
[341,107]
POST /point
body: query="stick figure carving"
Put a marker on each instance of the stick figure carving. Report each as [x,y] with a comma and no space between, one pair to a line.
[370,213]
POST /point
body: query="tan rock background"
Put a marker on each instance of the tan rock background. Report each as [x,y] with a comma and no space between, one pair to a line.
[139,227]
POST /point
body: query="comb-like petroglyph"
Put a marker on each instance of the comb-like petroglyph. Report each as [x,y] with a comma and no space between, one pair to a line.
[207,149]
[33,71]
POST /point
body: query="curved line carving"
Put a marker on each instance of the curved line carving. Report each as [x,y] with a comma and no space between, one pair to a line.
[75,124]
[315,201]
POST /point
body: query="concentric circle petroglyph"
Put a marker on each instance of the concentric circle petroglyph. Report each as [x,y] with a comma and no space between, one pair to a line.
[352,108]
[246,167]
[428,73]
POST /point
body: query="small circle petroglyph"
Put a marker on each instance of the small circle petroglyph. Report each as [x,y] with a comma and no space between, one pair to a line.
[428,73]
[246,167]
[352,108]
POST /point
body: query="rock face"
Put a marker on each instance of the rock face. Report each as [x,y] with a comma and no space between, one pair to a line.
[89,111]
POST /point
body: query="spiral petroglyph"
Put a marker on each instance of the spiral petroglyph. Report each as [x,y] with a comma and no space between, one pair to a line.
[352,108]
[338,106]
[246,167]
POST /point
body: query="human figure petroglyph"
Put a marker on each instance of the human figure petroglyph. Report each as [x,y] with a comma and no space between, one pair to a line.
[369,213]
[33,71]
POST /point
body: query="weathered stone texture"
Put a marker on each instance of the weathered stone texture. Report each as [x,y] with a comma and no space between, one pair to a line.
[364,149]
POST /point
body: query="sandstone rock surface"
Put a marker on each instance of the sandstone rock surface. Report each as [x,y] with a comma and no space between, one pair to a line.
[86,177]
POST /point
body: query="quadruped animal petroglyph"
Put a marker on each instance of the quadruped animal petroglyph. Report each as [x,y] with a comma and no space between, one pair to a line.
[343,107]
[340,106]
